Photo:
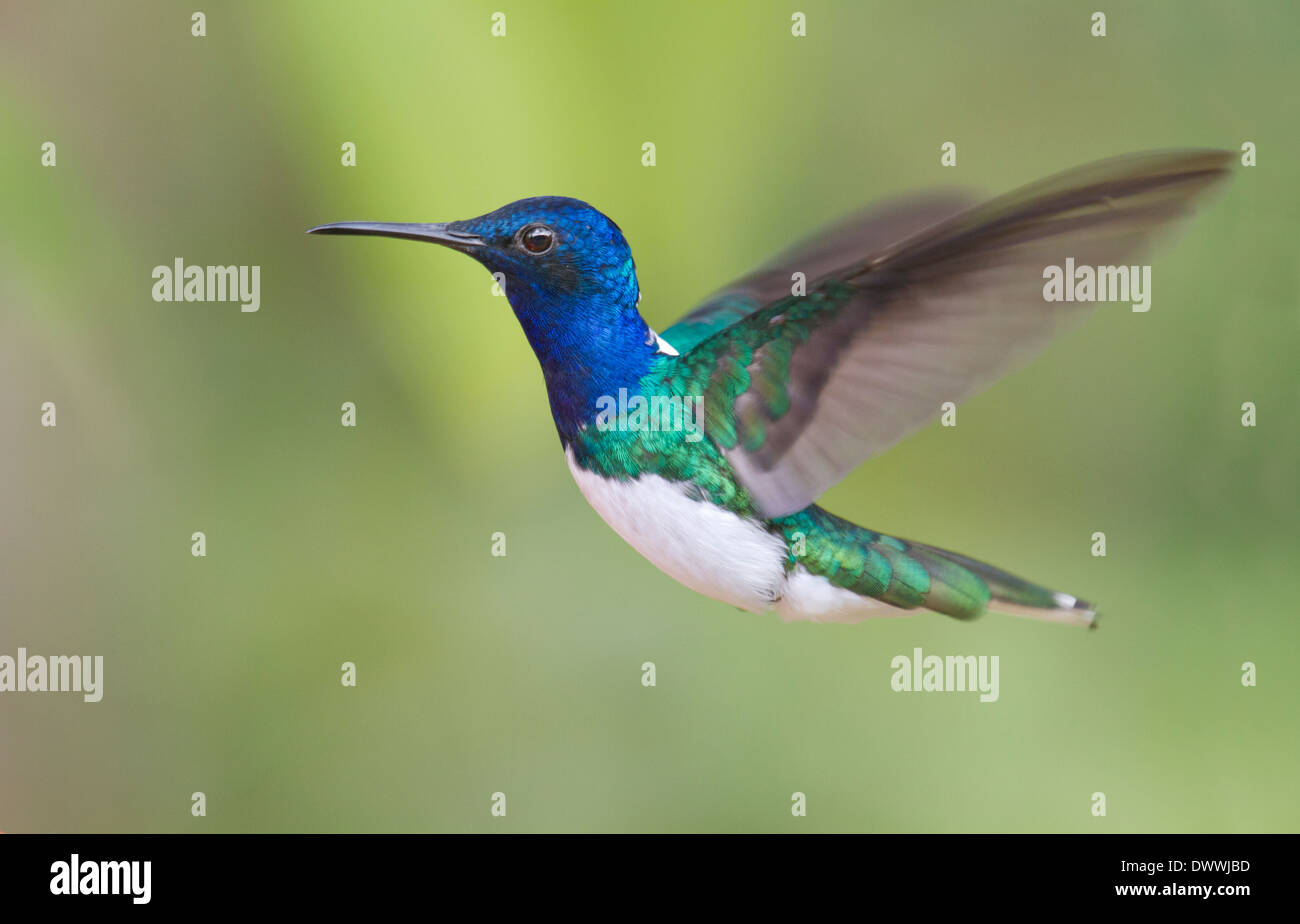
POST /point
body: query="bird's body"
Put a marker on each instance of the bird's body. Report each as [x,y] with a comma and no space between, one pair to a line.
[705,447]
[679,504]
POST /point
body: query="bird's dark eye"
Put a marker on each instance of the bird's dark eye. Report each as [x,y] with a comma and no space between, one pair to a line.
[537,239]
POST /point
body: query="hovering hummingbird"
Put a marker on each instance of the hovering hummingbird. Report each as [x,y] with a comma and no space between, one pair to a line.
[906,306]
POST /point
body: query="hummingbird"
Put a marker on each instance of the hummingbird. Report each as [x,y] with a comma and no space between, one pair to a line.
[781,383]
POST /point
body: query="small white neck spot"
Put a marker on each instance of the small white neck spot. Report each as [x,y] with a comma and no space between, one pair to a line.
[664,346]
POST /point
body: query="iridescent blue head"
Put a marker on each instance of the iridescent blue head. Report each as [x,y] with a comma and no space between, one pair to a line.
[568,274]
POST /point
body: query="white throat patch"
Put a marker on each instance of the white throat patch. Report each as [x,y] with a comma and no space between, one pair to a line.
[664,346]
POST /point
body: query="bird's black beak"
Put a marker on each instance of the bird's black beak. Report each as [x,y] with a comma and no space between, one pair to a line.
[412,231]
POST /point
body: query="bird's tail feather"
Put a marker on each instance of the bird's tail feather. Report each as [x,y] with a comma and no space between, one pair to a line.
[909,574]
[1016,596]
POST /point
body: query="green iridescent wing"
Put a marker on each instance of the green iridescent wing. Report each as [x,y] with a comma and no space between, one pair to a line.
[798,391]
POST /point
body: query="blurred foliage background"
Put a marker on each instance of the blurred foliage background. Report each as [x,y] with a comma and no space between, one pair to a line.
[522,674]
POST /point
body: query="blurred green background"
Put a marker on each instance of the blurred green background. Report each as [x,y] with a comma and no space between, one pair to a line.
[522,674]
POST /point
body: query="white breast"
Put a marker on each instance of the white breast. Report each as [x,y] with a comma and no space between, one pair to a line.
[710,550]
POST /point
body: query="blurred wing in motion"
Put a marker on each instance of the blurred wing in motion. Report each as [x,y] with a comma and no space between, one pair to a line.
[843,243]
[800,390]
